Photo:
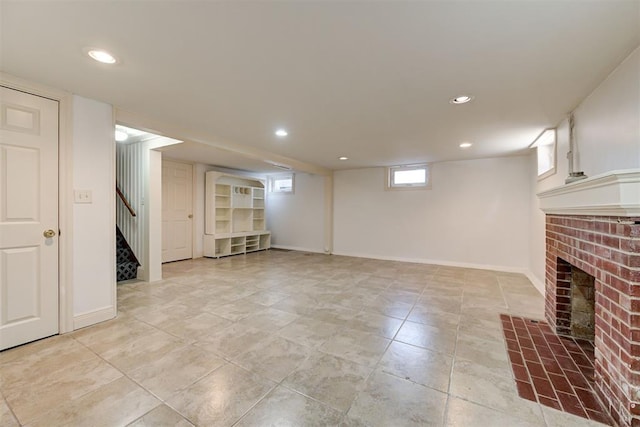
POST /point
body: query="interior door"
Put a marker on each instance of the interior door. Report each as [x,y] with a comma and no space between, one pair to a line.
[177,205]
[28,217]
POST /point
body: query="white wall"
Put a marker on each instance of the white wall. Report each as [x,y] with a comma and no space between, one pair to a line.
[297,220]
[153,219]
[607,134]
[608,121]
[94,279]
[476,214]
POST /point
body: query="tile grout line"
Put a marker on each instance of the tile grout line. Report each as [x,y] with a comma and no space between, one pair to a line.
[377,366]
[162,401]
[574,394]
[453,363]
[6,402]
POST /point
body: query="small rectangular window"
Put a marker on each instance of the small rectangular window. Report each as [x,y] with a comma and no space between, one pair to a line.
[545,145]
[283,183]
[415,176]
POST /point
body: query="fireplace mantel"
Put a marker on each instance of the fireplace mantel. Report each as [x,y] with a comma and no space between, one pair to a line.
[615,193]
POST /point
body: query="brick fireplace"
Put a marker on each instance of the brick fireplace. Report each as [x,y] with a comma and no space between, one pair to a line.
[588,237]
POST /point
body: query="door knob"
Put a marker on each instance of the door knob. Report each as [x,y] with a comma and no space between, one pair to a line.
[49,234]
[190,216]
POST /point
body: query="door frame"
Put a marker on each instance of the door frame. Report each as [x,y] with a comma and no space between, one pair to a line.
[193,200]
[65,190]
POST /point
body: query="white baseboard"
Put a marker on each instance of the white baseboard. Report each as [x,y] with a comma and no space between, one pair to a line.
[532,278]
[297,248]
[536,282]
[438,262]
[92,317]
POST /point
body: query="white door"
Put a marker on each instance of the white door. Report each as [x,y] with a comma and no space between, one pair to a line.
[28,217]
[177,218]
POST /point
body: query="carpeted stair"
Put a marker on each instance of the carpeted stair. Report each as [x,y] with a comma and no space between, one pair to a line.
[127,263]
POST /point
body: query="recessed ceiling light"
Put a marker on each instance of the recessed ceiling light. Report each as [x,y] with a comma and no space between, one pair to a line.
[462,99]
[466,145]
[121,136]
[102,56]
[343,158]
[282,132]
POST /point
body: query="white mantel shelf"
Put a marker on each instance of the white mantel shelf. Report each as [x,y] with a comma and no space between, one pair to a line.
[615,193]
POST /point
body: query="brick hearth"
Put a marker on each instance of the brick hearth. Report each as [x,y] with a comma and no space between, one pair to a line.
[608,248]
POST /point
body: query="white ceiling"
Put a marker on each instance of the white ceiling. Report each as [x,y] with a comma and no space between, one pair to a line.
[201,153]
[367,80]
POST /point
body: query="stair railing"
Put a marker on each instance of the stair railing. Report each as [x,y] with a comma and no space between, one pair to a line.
[124,200]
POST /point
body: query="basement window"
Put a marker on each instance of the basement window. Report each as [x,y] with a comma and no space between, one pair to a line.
[282,183]
[408,177]
[545,145]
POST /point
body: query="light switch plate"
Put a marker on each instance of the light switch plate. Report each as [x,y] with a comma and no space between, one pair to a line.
[82,196]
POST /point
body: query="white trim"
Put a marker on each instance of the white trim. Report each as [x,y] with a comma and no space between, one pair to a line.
[95,316]
[193,199]
[536,144]
[65,191]
[194,215]
[140,274]
[239,234]
[505,269]
[615,193]
[297,248]
[153,210]
[271,178]
[113,225]
[389,184]
[328,214]
[535,281]
[501,268]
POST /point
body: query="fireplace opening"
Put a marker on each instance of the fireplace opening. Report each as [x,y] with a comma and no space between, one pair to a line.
[583,313]
[576,304]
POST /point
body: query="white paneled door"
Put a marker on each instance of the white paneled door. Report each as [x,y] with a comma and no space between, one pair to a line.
[28,217]
[177,218]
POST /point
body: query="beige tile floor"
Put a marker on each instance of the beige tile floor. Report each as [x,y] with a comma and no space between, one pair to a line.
[286,338]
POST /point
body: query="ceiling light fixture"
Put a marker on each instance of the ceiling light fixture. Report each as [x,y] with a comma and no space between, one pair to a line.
[283,167]
[121,136]
[343,158]
[282,132]
[102,56]
[462,99]
[466,145]
[278,165]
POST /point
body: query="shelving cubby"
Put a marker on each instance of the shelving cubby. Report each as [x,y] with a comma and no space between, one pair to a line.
[234,215]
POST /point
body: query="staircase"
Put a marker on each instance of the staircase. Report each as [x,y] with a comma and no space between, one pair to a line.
[127,263]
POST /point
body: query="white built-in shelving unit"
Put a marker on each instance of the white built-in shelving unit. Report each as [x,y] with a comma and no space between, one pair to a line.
[234,216]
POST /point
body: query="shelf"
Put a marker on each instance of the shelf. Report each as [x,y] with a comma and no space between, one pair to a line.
[223,190]
[234,215]
[234,244]
[222,228]
[223,202]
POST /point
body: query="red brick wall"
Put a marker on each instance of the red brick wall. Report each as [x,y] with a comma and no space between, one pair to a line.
[607,248]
